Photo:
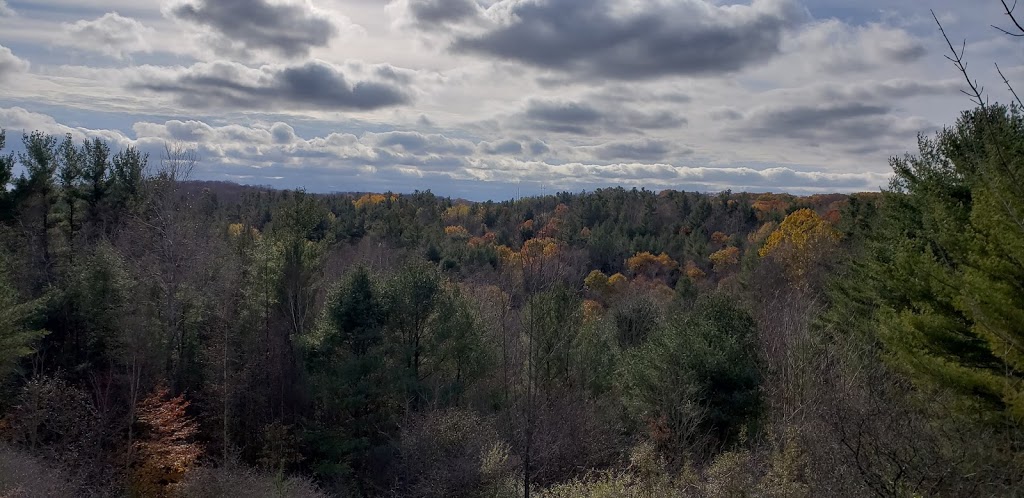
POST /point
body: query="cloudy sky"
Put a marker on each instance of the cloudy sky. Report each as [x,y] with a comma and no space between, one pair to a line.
[486,98]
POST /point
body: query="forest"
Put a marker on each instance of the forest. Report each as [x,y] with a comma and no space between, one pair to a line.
[168,337]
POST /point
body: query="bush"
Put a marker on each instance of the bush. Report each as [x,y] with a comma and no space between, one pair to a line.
[22,476]
[235,480]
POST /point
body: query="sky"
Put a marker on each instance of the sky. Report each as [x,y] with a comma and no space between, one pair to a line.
[490,99]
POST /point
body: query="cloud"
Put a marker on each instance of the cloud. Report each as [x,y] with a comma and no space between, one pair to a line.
[580,118]
[10,64]
[315,85]
[5,11]
[836,46]
[112,35]
[290,29]
[20,119]
[851,127]
[640,39]
[636,150]
[435,13]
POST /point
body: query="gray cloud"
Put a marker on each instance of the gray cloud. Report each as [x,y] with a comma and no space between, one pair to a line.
[5,10]
[579,118]
[652,39]
[10,64]
[289,29]
[502,147]
[112,34]
[435,13]
[637,150]
[852,127]
[418,144]
[313,85]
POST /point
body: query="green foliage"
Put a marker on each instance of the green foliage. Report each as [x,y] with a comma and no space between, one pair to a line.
[354,396]
[18,336]
[696,377]
[945,265]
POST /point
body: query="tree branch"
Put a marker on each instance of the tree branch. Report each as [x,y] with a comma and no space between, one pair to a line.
[1009,13]
[1009,86]
[958,61]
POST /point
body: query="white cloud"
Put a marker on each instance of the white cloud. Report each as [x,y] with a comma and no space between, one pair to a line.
[112,34]
[10,64]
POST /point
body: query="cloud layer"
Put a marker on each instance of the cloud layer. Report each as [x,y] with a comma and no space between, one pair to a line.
[651,39]
[291,29]
[471,97]
[312,85]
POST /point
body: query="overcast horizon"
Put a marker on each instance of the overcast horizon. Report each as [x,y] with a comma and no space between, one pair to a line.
[491,99]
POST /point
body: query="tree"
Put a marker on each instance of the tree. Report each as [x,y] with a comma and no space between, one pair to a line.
[802,240]
[70,159]
[17,336]
[97,181]
[6,176]
[354,409]
[166,452]
[696,382]
[944,268]
[35,189]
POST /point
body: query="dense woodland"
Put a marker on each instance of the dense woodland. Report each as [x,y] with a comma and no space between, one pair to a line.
[167,337]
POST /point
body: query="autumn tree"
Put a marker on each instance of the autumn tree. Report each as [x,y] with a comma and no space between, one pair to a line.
[800,242]
[167,450]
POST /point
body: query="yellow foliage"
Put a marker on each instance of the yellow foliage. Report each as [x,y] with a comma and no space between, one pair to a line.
[725,258]
[456,214]
[456,232]
[596,281]
[801,238]
[235,229]
[801,230]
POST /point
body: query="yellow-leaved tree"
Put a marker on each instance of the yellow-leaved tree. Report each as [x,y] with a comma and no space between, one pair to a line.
[800,242]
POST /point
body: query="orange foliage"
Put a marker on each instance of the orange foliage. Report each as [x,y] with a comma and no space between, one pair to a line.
[166,452]
[592,310]
[693,272]
[617,283]
[368,200]
[488,238]
[645,263]
[725,258]
[585,233]
[768,203]
[719,238]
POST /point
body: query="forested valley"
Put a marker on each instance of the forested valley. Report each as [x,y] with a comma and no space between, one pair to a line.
[161,336]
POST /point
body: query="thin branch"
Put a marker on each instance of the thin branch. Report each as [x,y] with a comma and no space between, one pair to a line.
[1009,86]
[958,61]
[1009,13]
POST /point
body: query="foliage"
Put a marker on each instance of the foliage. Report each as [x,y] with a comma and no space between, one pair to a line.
[166,452]
[696,379]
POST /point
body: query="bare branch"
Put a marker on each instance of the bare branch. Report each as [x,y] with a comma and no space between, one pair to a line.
[1008,85]
[958,61]
[1009,13]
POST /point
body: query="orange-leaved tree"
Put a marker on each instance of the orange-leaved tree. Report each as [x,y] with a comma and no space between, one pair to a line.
[167,450]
